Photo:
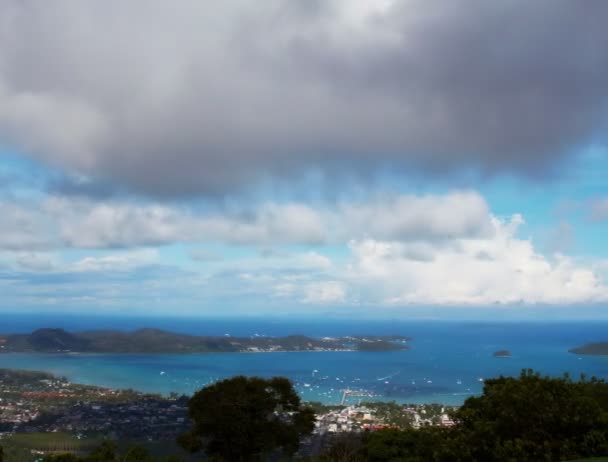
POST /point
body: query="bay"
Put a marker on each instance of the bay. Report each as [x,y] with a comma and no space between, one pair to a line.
[446,362]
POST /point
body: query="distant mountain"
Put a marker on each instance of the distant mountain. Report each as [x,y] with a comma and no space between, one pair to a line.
[594,349]
[148,340]
[47,340]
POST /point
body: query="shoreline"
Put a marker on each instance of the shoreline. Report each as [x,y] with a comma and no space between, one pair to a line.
[167,395]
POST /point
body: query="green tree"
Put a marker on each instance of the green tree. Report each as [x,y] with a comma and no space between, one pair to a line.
[534,418]
[523,419]
[428,444]
[137,454]
[246,418]
[1,454]
[347,447]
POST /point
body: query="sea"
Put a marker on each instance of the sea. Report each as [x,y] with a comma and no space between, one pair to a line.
[447,361]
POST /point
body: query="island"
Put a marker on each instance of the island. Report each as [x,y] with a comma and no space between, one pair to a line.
[502,354]
[593,349]
[148,340]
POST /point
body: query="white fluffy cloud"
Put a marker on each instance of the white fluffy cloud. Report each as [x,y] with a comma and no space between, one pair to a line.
[83,223]
[501,269]
[119,261]
[326,292]
[399,250]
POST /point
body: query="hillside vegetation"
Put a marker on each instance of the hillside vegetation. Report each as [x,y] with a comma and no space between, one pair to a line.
[148,340]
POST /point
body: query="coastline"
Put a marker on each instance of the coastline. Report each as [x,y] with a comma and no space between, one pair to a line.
[451,356]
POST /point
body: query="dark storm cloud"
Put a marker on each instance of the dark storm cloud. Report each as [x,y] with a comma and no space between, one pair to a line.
[194,97]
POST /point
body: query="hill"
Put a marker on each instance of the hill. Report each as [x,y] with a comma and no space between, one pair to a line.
[594,349]
[53,340]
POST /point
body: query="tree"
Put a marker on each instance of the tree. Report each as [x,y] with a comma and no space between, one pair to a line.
[104,453]
[1,454]
[525,419]
[346,447]
[137,454]
[535,418]
[245,418]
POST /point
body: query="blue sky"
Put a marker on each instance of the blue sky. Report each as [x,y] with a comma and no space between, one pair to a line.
[345,158]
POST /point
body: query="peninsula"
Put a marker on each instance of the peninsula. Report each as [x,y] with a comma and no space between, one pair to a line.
[593,349]
[49,340]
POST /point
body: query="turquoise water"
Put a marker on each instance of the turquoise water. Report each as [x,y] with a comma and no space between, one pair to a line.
[446,361]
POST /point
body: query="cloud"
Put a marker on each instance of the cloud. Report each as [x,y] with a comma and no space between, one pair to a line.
[313,260]
[206,98]
[91,224]
[388,250]
[326,292]
[120,280]
[501,269]
[310,292]
[121,261]
[31,261]
[409,217]
[24,228]
[449,269]
[88,224]
[74,222]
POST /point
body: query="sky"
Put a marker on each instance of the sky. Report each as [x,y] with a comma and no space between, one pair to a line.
[347,158]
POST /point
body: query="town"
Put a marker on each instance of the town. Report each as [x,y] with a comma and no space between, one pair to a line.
[34,403]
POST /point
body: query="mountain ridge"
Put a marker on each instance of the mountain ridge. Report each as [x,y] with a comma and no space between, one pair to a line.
[154,340]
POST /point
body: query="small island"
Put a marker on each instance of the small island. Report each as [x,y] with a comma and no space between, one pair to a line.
[502,354]
[593,349]
[52,340]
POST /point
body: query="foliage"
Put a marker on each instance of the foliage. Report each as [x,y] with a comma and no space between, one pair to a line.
[14,453]
[160,341]
[53,442]
[245,418]
[347,447]
[108,452]
[320,408]
[535,418]
[524,419]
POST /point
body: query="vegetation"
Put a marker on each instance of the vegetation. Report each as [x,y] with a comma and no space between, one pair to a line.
[159,341]
[246,418]
[54,442]
[108,452]
[593,459]
[14,453]
[594,349]
[530,418]
[525,419]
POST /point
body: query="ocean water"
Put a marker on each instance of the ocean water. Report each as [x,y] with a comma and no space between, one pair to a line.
[446,362]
